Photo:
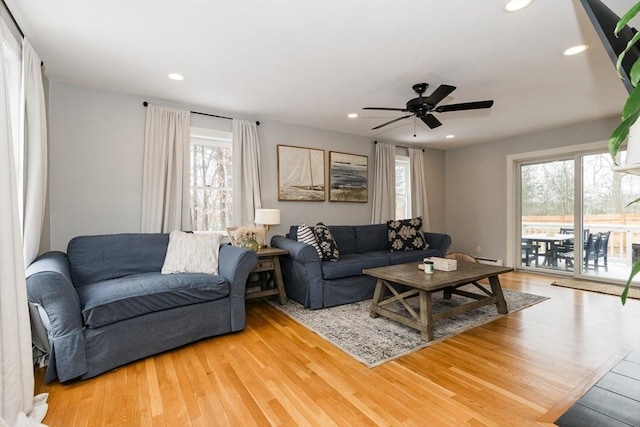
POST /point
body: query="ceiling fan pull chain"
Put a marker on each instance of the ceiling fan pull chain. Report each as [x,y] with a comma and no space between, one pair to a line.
[414,126]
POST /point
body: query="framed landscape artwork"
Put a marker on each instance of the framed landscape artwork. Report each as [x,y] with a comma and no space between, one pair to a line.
[348,177]
[300,174]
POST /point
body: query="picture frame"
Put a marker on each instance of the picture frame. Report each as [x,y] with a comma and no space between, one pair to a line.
[301,174]
[348,177]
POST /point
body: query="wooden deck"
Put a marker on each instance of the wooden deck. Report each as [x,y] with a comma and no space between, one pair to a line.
[523,370]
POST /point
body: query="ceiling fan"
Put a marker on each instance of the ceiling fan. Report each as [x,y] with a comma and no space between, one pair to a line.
[422,107]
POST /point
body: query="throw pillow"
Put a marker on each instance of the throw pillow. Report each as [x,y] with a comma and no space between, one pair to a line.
[327,243]
[305,235]
[192,253]
[406,234]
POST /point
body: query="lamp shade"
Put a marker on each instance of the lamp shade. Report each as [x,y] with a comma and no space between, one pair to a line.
[267,216]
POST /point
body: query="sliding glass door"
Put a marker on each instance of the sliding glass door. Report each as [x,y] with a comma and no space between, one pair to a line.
[574,219]
[546,211]
[611,225]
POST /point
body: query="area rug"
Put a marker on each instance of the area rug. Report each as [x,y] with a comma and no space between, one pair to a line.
[599,287]
[374,341]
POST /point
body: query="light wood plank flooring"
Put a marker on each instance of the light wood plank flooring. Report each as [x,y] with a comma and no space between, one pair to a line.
[524,369]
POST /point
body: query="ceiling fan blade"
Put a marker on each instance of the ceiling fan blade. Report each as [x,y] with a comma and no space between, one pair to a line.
[392,121]
[439,94]
[431,121]
[465,106]
[384,109]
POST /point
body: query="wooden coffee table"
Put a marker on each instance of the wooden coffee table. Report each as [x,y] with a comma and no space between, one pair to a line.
[424,285]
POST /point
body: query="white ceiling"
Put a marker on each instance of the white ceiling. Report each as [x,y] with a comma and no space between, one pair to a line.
[311,62]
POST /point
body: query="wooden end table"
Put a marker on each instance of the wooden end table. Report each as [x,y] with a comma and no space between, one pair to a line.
[266,278]
[424,285]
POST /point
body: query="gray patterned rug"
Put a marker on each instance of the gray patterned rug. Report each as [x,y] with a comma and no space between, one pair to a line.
[374,341]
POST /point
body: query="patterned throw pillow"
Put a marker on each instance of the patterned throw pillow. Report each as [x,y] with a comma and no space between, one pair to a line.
[306,235]
[327,243]
[406,234]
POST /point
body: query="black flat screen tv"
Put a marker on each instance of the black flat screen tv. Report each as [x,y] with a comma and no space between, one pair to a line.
[604,20]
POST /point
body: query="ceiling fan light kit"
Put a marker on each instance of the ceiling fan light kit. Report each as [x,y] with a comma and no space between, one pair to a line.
[422,107]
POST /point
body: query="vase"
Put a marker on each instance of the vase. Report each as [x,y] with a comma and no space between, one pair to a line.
[251,244]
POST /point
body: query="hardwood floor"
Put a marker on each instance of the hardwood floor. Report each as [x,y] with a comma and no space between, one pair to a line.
[523,369]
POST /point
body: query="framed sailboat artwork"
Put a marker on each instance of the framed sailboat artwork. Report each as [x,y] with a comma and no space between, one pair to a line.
[300,174]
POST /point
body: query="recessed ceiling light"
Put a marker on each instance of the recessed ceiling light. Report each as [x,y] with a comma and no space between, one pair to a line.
[450,136]
[352,115]
[175,76]
[516,5]
[576,49]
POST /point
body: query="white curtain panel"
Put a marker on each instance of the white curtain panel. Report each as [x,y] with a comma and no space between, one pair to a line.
[35,149]
[165,179]
[17,404]
[247,194]
[419,205]
[384,184]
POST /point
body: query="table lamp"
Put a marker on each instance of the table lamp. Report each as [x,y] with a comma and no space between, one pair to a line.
[267,217]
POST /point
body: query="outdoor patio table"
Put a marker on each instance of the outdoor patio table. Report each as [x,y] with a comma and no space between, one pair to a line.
[550,242]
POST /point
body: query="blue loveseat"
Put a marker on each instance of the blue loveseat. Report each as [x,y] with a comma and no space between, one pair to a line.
[316,284]
[105,303]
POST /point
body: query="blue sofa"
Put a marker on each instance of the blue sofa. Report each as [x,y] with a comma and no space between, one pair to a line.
[316,284]
[105,303]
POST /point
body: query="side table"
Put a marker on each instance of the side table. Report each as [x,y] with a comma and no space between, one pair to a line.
[266,278]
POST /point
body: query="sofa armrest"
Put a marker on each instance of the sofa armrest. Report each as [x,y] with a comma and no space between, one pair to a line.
[298,251]
[234,265]
[301,271]
[49,287]
[439,241]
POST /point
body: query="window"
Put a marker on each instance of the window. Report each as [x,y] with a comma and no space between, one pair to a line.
[403,188]
[211,179]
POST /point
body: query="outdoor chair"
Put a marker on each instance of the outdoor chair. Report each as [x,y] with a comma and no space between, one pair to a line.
[591,251]
[602,249]
[530,252]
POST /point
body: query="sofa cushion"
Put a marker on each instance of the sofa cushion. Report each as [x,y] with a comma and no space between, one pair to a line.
[110,301]
[97,258]
[192,253]
[403,257]
[327,243]
[345,238]
[406,234]
[371,238]
[353,264]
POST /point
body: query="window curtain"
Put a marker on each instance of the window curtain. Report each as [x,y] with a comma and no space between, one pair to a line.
[165,179]
[384,184]
[419,206]
[18,407]
[35,152]
[247,193]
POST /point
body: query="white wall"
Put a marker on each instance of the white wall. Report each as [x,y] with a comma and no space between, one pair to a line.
[476,176]
[96,149]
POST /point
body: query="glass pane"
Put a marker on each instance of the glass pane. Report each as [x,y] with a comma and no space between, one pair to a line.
[612,229]
[546,194]
[211,185]
[403,189]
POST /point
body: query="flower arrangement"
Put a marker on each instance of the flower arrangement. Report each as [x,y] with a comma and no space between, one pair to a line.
[245,236]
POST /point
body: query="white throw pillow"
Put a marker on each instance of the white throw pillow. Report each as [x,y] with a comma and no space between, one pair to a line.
[192,253]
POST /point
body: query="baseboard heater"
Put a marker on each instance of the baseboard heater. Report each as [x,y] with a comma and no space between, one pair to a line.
[490,261]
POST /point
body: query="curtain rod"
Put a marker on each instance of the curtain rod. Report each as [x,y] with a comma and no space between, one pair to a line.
[145,103]
[375,142]
[13,18]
